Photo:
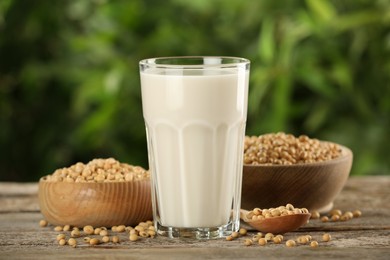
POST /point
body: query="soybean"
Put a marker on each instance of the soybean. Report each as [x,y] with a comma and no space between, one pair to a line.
[89,230]
[335,218]
[105,239]
[115,239]
[103,233]
[121,228]
[58,228]
[277,240]
[302,240]
[248,242]
[75,233]
[290,243]
[94,241]
[235,234]
[256,238]
[43,223]
[356,213]
[229,238]
[134,237]
[243,231]
[324,219]
[60,236]
[66,228]
[262,241]
[269,236]
[143,233]
[72,242]
[326,237]
[97,231]
[315,215]
[335,212]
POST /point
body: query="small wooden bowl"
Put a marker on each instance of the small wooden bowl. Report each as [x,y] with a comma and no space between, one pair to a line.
[313,185]
[277,225]
[97,204]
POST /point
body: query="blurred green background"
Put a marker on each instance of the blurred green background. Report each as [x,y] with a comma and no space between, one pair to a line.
[69,79]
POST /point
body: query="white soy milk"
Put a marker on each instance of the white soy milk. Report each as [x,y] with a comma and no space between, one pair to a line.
[195,124]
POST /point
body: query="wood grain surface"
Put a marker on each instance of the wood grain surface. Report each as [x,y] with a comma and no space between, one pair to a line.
[365,237]
[97,204]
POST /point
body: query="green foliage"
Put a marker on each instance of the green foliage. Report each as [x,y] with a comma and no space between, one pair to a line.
[69,79]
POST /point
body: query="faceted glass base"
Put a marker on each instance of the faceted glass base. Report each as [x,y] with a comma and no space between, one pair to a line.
[197,233]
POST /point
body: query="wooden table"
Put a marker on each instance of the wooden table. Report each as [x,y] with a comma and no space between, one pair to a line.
[364,237]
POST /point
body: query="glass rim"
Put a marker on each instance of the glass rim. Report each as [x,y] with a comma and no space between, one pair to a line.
[230,62]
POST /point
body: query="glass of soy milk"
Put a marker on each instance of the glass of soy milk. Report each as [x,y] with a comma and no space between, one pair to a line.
[195,114]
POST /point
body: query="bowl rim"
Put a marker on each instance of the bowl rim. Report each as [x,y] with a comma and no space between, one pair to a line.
[44,180]
[346,153]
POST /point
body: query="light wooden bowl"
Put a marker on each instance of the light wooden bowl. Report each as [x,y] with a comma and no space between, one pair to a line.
[96,204]
[313,185]
[277,225]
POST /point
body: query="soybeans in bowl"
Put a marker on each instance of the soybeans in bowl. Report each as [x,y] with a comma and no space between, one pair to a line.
[280,168]
[103,192]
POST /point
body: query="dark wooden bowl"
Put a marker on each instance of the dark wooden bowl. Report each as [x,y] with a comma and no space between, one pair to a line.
[96,204]
[313,185]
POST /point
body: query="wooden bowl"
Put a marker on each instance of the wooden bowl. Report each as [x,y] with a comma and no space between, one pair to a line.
[97,204]
[277,225]
[313,185]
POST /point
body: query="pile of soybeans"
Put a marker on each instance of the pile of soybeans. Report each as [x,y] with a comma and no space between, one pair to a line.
[286,149]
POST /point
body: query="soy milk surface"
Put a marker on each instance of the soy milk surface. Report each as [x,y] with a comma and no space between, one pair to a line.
[195,124]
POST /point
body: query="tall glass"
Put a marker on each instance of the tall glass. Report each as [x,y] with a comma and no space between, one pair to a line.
[195,114]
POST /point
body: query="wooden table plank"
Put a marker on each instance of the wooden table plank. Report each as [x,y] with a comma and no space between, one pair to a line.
[15,197]
[365,237]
